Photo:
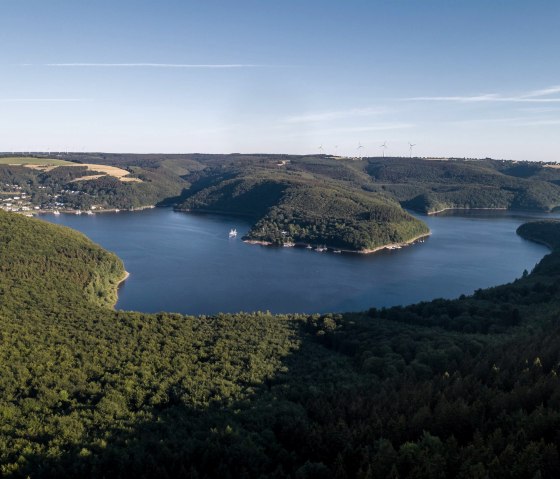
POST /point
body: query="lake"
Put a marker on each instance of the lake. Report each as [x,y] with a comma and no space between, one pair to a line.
[186,263]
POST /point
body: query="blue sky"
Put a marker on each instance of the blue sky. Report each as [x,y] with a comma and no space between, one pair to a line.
[456,78]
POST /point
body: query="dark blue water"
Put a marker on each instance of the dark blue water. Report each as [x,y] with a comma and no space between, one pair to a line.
[186,263]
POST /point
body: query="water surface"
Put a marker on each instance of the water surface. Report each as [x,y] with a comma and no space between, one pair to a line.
[186,263]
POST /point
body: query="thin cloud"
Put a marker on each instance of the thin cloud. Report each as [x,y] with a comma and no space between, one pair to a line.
[544,92]
[333,115]
[511,121]
[484,98]
[549,122]
[534,96]
[533,100]
[44,100]
[540,109]
[461,99]
[151,65]
[306,133]
[369,128]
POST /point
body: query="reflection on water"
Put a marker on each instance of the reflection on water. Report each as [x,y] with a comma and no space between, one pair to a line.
[187,263]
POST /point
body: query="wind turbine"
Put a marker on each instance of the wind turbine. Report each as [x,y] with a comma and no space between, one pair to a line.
[384,146]
[321,149]
[360,146]
[335,150]
[410,145]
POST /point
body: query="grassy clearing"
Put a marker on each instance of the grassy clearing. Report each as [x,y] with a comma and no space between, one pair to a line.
[47,164]
[29,160]
[86,178]
[118,173]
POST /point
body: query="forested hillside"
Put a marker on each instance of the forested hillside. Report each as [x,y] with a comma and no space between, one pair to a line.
[289,210]
[343,203]
[463,388]
[352,204]
[430,186]
[422,184]
[70,188]
[44,268]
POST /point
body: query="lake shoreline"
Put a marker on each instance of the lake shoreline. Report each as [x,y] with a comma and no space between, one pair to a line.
[120,282]
[538,241]
[213,212]
[179,263]
[390,246]
[430,213]
[86,212]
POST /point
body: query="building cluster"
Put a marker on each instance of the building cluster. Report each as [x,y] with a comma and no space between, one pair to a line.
[17,201]
[14,198]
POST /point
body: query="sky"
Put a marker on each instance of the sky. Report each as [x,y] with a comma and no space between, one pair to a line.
[463,78]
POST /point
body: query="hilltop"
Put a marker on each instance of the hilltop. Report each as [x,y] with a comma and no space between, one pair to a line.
[319,212]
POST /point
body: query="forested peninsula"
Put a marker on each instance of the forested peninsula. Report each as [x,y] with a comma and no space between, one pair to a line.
[447,388]
[342,203]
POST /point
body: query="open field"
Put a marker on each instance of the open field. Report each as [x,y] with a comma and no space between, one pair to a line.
[108,170]
[86,178]
[47,164]
[28,160]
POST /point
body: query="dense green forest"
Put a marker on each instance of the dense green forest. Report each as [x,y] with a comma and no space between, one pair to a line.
[430,186]
[351,204]
[447,388]
[422,184]
[292,205]
[61,187]
[289,210]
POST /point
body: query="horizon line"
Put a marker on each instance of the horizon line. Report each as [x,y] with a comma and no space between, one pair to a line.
[403,156]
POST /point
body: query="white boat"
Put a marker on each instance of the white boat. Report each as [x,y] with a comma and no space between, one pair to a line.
[337,251]
[288,245]
[309,247]
[78,212]
[232,233]
[56,212]
[89,212]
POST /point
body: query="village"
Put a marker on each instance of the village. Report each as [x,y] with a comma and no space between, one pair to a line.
[19,199]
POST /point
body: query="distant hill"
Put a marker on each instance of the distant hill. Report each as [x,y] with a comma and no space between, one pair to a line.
[353,204]
[430,186]
[69,185]
[316,199]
